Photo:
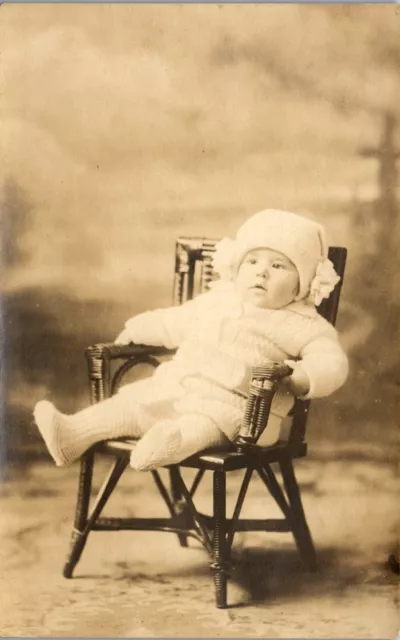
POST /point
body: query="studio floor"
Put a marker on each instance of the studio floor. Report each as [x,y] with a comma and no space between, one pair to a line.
[138,584]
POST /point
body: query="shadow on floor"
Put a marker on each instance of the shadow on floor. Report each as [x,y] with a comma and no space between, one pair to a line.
[269,574]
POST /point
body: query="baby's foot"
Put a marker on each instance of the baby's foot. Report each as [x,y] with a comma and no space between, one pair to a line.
[49,421]
[158,447]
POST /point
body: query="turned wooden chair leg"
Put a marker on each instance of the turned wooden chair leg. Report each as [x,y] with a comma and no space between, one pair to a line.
[78,540]
[179,502]
[79,536]
[220,562]
[301,532]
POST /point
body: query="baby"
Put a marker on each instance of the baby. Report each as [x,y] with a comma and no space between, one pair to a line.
[263,308]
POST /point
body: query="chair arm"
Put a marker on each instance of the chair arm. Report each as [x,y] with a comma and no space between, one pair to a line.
[99,358]
[264,381]
[112,351]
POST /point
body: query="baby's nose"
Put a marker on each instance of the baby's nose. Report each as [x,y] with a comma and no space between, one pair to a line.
[263,272]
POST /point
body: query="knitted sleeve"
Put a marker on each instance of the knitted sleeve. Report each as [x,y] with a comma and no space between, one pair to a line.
[165,327]
[325,364]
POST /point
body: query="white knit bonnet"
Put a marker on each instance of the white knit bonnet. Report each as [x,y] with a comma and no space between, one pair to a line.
[298,238]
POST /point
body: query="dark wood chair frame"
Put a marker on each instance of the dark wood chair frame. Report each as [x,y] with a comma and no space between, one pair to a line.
[193,264]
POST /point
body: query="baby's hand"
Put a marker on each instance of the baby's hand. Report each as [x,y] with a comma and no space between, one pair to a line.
[298,381]
[123,338]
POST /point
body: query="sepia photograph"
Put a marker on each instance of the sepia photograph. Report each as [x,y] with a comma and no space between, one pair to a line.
[199,315]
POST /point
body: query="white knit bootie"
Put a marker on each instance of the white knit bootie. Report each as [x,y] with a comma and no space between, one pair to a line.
[68,437]
[171,441]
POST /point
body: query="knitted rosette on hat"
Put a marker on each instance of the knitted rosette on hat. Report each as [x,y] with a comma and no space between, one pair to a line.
[300,239]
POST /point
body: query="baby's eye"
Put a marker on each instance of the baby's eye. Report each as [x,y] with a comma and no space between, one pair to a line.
[251,260]
[278,265]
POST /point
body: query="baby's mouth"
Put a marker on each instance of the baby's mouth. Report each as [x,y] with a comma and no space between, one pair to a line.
[258,286]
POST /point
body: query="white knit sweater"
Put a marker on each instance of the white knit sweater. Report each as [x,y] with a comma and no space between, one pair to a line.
[219,339]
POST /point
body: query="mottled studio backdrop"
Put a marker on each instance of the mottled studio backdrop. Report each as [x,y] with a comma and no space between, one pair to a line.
[123,126]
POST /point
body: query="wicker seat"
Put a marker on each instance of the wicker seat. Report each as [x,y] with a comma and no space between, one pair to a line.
[108,363]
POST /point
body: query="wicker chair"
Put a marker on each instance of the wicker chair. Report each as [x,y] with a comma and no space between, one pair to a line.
[107,365]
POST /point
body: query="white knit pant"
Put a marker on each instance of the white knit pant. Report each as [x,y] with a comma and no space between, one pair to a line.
[162,442]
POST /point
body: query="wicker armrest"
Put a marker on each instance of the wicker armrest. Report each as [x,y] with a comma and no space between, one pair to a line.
[112,351]
[99,358]
[264,381]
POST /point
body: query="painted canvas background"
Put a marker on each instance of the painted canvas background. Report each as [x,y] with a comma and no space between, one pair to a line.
[123,126]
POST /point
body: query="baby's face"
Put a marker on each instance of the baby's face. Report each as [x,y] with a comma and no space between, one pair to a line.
[267,279]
